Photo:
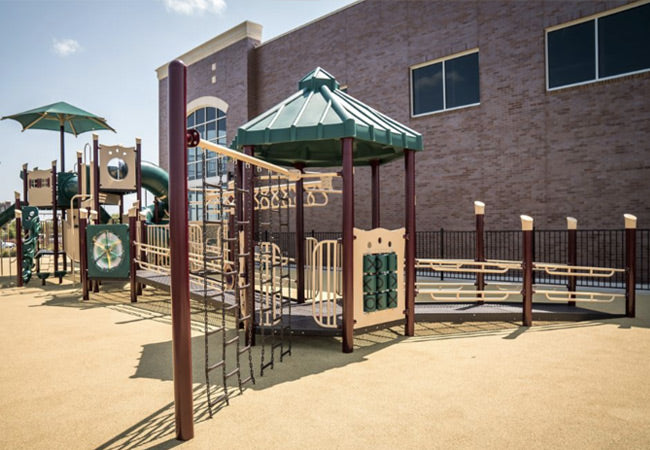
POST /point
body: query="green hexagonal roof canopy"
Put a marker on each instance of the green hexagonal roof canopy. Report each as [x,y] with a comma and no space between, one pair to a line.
[307,128]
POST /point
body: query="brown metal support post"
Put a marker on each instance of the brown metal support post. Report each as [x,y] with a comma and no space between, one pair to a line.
[94,284]
[83,256]
[133,223]
[80,177]
[62,146]
[527,269]
[25,185]
[630,265]
[249,227]
[409,163]
[479,255]
[348,244]
[95,169]
[178,231]
[138,171]
[18,214]
[55,221]
[572,254]
[138,188]
[300,236]
[375,194]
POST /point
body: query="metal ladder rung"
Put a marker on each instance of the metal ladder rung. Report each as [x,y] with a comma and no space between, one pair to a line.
[244,350]
[215,331]
[234,372]
[247,380]
[245,318]
[219,399]
[232,341]
[216,365]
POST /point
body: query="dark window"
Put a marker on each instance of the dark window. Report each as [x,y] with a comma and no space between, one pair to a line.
[624,42]
[623,46]
[447,84]
[571,55]
[427,89]
[461,81]
[200,115]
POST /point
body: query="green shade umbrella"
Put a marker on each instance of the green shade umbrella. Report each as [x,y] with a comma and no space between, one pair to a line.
[63,117]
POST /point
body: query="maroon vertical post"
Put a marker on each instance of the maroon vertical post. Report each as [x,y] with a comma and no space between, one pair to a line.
[249,228]
[572,254]
[375,193]
[409,165]
[179,248]
[25,185]
[630,265]
[348,244]
[138,171]
[62,146]
[80,177]
[18,214]
[95,172]
[133,223]
[94,284]
[300,236]
[143,240]
[83,255]
[55,221]
[479,255]
[527,269]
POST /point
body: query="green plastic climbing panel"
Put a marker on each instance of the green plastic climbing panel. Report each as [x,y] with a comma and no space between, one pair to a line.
[379,281]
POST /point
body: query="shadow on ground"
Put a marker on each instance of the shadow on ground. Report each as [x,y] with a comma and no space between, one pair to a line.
[310,355]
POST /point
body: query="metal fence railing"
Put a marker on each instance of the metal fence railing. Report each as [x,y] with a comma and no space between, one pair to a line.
[598,248]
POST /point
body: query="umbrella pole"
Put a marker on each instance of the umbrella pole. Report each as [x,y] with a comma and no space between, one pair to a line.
[62,149]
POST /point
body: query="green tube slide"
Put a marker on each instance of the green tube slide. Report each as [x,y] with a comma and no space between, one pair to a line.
[156,181]
[7,215]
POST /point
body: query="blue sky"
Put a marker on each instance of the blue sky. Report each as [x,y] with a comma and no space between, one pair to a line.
[101,56]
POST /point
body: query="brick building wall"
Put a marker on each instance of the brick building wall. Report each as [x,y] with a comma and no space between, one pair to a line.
[580,151]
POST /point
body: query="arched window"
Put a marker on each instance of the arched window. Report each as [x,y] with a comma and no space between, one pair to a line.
[210,122]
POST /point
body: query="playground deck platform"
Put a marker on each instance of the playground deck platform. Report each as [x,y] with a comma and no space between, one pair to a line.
[303,323]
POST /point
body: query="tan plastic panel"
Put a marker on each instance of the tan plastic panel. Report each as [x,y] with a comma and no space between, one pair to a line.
[128,155]
[379,240]
[40,196]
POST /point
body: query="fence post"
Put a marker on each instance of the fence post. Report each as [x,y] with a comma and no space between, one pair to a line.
[572,254]
[479,212]
[630,265]
[442,250]
[18,214]
[527,269]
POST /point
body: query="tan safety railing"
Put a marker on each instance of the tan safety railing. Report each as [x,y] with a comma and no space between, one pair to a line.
[325,282]
[467,265]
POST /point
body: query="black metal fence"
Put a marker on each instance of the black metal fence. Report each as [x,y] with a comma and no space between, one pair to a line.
[596,248]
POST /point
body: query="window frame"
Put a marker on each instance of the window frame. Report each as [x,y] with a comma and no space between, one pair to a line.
[221,117]
[594,17]
[444,87]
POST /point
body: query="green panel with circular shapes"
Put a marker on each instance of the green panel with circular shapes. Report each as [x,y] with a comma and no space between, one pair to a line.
[108,251]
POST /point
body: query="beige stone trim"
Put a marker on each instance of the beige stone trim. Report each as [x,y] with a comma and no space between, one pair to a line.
[630,221]
[244,30]
[206,101]
[479,208]
[571,223]
[526,223]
